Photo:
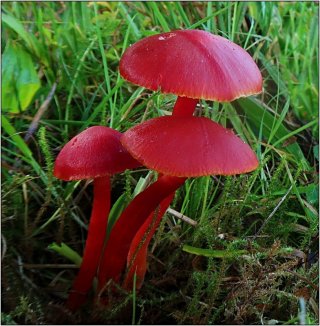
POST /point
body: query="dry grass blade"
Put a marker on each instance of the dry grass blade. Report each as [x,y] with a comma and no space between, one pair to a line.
[182,217]
[35,122]
[273,212]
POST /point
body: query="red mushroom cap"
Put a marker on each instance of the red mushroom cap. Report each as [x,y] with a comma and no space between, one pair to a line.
[93,153]
[188,147]
[192,63]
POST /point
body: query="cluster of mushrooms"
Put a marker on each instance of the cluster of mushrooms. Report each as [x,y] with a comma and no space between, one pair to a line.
[193,65]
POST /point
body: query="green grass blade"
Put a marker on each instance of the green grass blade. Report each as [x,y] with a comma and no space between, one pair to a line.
[116,210]
[65,251]
[22,146]
[132,24]
[253,111]
[213,253]
[159,16]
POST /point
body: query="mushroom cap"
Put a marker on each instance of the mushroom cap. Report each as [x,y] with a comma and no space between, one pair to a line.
[95,152]
[192,63]
[188,147]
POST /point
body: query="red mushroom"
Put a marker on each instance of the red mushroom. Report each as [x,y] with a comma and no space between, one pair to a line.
[181,146]
[192,64]
[188,147]
[95,153]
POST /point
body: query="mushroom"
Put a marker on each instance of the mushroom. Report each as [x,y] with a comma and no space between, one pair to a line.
[181,147]
[192,64]
[95,153]
[188,147]
[177,147]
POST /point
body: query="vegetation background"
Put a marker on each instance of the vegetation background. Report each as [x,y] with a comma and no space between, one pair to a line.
[60,75]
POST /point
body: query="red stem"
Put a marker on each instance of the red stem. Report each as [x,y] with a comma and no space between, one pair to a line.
[94,243]
[128,224]
[137,256]
[184,106]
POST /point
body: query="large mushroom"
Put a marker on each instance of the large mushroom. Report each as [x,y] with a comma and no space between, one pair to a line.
[181,147]
[95,153]
[192,64]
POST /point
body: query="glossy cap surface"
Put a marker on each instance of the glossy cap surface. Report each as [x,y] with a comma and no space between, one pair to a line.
[93,153]
[192,63]
[189,147]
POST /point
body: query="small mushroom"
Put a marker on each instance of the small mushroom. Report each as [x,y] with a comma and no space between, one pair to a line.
[192,64]
[95,153]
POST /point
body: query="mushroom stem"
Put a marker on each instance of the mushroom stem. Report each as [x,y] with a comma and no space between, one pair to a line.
[94,243]
[117,248]
[184,106]
[137,256]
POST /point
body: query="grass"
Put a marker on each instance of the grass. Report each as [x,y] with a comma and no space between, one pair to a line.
[252,256]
